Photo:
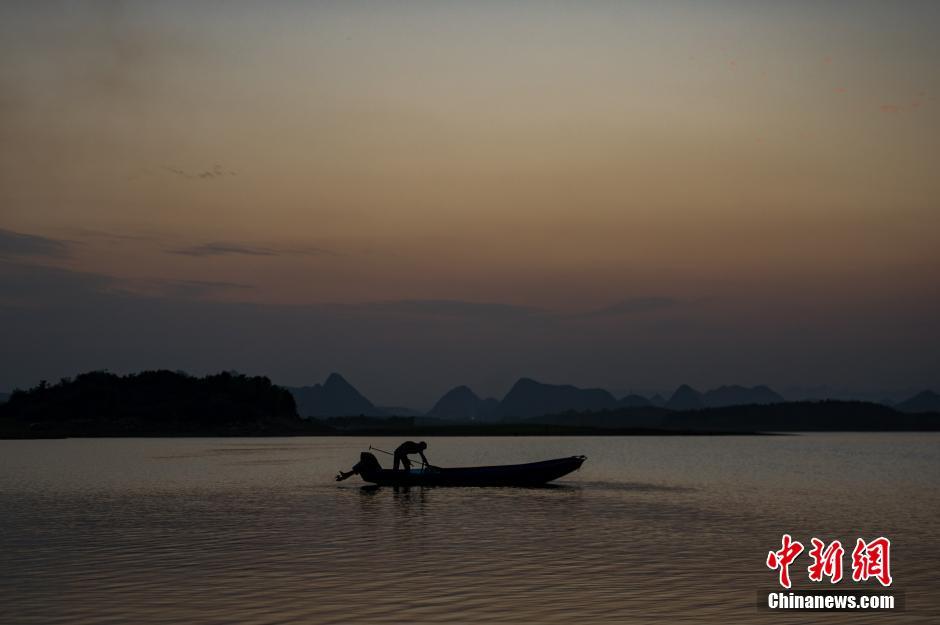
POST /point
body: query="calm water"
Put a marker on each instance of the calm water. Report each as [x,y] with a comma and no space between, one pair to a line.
[256,530]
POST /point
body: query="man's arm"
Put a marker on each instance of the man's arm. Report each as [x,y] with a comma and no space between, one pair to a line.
[425,460]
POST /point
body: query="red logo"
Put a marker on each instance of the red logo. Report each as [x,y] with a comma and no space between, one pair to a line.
[872,560]
[783,558]
[869,560]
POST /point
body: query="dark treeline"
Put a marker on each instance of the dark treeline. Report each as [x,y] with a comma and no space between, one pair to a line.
[153,403]
[797,416]
[166,403]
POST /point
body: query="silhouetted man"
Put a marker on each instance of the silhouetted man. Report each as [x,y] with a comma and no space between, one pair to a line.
[409,447]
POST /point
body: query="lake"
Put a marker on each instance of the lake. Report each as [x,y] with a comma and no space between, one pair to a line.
[650,530]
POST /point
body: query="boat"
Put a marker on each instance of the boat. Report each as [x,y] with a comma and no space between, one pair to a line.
[529,474]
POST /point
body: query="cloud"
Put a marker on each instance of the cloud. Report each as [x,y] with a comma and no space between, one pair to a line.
[212,284]
[201,250]
[496,311]
[207,174]
[184,289]
[109,236]
[57,322]
[18,244]
[307,250]
[634,305]
[28,285]
[220,248]
[223,249]
[453,308]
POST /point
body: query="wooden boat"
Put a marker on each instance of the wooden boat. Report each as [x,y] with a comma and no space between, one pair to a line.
[530,474]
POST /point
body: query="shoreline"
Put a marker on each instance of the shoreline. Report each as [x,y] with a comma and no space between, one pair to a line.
[407,433]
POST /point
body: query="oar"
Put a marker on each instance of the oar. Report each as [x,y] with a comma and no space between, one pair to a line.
[421,462]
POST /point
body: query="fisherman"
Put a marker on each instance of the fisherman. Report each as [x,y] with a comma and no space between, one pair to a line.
[406,448]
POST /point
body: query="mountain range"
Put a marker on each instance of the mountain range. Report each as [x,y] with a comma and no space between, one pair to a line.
[687,398]
[529,398]
[166,403]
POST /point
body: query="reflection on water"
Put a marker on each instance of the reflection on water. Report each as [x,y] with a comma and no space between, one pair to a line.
[650,530]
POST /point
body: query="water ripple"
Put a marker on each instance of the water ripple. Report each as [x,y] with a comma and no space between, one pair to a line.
[178,533]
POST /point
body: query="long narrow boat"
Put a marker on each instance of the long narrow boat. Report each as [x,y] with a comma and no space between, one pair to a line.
[530,474]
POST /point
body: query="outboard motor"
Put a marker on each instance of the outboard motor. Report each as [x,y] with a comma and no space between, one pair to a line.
[366,466]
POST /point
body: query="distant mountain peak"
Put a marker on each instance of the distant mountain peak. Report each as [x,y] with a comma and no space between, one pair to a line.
[735,395]
[633,400]
[924,401]
[685,398]
[334,398]
[462,403]
[336,379]
[461,392]
[523,382]
[529,398]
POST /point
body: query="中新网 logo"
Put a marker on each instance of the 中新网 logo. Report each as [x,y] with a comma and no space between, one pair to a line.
[869,560]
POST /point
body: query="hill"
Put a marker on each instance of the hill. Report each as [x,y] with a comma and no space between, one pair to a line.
[334,398]
[463,404]
[735,395]
[528,398]
[153,403]
[634,401]
[685,398]
[925,401]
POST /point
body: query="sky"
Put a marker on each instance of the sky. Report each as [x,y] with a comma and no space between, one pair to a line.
[628,195]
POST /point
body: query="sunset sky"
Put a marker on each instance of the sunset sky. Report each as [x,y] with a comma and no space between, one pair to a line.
[629,195]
